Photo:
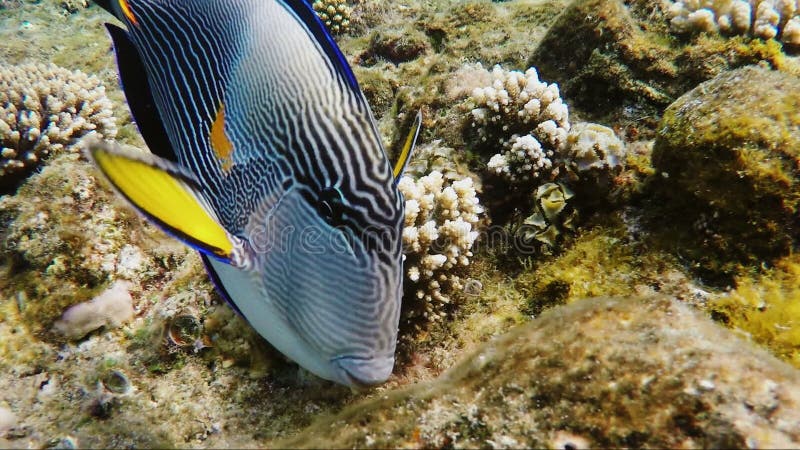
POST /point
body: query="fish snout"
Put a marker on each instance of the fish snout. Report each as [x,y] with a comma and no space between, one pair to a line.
[362,372]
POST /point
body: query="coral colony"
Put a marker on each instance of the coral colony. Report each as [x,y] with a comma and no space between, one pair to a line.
[440,230]
[44,109]
[765,19]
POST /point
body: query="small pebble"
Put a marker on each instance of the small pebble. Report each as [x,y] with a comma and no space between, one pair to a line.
[7,420]
[706,385]
[473,287]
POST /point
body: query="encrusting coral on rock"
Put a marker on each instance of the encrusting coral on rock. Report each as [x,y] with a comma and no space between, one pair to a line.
[594,147]
[764,19]
[43,110]
[440,229]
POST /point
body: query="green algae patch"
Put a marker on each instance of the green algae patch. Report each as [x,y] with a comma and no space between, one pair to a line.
[20,351]
[639,372]
[601,261]
[728,156]
[767,308]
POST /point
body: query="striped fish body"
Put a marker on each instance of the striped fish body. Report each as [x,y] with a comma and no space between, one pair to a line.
[251,109]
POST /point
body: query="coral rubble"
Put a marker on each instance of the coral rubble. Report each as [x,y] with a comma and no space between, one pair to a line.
[111,308]
[7,420]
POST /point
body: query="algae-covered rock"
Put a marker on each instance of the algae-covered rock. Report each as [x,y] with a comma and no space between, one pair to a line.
[395,46]
[619,58]
[61,240]
[729,154]
[591,34]
[599,373]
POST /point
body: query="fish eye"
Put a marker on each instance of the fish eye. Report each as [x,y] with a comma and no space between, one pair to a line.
[326,210]
[331,206]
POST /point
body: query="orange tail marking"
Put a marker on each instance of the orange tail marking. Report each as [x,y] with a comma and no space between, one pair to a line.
[126,9]
[222,146]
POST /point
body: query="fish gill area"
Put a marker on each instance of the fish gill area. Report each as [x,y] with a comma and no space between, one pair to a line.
[601,239]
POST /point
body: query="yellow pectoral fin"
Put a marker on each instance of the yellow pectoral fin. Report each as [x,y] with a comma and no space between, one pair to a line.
[160,191]
[408,147]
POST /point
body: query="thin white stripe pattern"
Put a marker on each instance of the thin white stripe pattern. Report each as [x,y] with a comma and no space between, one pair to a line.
[298,130]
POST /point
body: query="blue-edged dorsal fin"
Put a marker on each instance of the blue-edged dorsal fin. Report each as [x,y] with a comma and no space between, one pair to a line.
[133,76]
[306,14]
[106,4]
[166,194]
[408,147]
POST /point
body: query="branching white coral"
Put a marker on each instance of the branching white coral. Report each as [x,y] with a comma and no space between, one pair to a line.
[765,19]
[44,109]
[518,103]
[524,160]
[335,14]
[440,230]
[527,117]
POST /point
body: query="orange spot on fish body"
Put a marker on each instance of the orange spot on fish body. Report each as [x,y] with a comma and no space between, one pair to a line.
[220,144]
[126,9]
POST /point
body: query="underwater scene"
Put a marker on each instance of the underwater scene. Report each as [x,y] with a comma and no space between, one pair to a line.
[399,224]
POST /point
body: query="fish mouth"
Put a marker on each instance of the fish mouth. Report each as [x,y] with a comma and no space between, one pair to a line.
[360,372]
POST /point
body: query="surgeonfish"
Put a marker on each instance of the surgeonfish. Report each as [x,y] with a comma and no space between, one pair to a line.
[266,158]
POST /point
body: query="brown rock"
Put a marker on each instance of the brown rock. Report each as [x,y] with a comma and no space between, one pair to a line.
[600,373]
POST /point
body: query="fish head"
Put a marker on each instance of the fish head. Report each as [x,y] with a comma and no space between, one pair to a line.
[331,274]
